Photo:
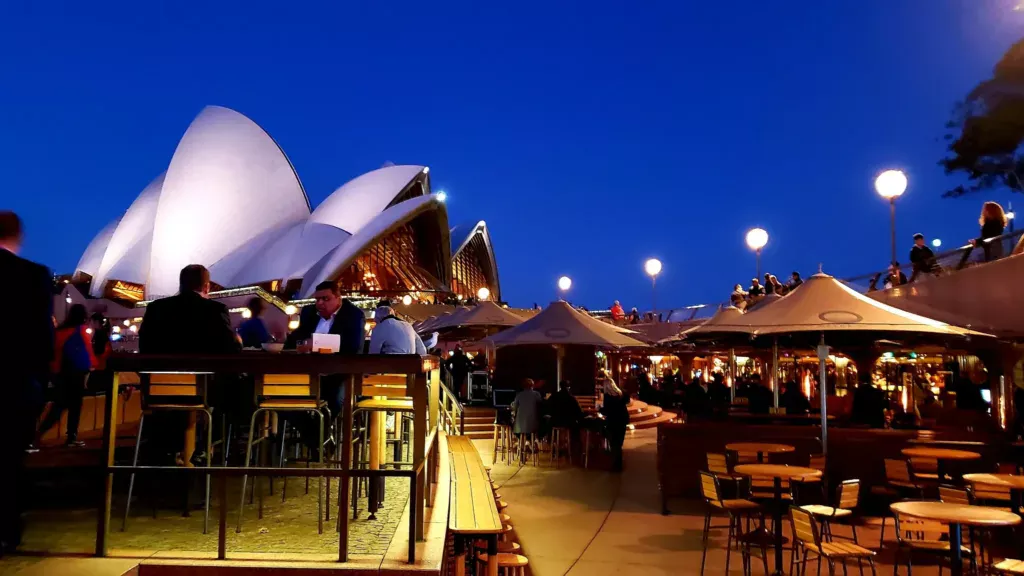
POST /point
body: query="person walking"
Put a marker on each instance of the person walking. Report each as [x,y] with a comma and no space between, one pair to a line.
[27,352]
[73,359]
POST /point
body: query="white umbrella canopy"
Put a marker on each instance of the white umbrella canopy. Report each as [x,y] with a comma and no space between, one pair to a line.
[558,324]
[484,314]
[823,304]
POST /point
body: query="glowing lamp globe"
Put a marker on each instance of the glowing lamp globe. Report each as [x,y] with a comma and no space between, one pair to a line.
[406,299]
[246,313]
[757,239]
[891,184]
[652,267]
[290,309]
[483,293]
[293,324]
[564,283]
[936,243]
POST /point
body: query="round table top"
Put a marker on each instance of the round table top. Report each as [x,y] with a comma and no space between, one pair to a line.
[957,513]
[762,447]
[940,453]
[777,471]
[1010,481]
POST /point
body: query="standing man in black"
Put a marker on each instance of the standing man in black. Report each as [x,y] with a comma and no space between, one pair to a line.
[26,346]
[187,323]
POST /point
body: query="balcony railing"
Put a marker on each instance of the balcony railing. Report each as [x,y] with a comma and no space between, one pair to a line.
[946,263]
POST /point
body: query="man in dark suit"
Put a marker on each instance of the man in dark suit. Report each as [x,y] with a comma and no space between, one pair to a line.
[331,314]
[187,323]
[26,346]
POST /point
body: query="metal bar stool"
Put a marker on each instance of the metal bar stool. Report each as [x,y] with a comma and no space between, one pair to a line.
[561,435]
[287,393]
[173,393]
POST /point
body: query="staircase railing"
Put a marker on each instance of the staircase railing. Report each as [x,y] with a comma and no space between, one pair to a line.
[452,413]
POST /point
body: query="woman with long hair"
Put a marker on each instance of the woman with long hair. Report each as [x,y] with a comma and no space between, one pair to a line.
[993,224]
[616,415]
[73,358]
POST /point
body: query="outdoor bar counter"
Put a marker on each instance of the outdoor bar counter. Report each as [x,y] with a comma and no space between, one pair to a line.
[852,452]
[419,374]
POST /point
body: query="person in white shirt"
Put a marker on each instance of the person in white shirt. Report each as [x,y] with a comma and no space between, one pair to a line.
[394,336]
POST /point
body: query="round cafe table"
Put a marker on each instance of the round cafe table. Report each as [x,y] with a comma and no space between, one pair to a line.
[778,472]
[1011,482]
[761,448]
[956,515]
[941,455]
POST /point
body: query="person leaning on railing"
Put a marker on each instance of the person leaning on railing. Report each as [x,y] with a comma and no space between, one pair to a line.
[922,258]
[993,223]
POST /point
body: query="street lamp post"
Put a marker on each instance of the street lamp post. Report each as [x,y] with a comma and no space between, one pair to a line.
[757,239]
[653,268]
[890,185]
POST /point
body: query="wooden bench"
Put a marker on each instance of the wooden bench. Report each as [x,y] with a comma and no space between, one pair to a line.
[472,512]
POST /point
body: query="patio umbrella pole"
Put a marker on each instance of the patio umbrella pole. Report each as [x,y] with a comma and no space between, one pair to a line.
[558,368]
[822,393]
[775,370]
[732,375]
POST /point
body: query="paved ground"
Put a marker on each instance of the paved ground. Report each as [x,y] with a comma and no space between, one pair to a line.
[289,527]
[579,522]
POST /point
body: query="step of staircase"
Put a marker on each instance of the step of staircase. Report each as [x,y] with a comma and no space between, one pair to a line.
[649,413]
[653,422]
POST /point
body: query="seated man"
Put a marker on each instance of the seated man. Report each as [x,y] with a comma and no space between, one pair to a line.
[393,335]
[187,323]
[331,314]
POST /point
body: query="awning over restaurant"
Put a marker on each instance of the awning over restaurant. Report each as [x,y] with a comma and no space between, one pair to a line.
[559,323]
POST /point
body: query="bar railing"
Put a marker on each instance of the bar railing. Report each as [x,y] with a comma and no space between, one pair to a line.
[422,474]
[946,263]
[452,413]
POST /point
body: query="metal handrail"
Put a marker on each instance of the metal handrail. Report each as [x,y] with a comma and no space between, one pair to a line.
[951,260]
[223,473]
[452,411]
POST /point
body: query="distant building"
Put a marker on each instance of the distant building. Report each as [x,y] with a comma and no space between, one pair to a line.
[231,200]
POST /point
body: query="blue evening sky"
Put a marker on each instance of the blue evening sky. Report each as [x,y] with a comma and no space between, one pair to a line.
[589,135]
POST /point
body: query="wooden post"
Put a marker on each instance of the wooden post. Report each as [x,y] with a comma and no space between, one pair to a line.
[346,464]
[109,444]
[419,430]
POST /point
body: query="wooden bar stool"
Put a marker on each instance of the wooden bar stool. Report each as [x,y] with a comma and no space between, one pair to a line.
[503,547]
[501,505]
[560,435]
[287,393]
[173,393]
[525,439]
[506,529]
[502,443]
[508,564]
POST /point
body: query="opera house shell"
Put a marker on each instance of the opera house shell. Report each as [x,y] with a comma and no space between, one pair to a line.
[231,200]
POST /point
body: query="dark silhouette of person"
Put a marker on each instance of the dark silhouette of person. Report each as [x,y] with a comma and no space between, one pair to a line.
[793,399]
[868,404]
[73,359]
[188,323]
[698,399]
[564,409]
[26,343]
[459,365]
[616,413]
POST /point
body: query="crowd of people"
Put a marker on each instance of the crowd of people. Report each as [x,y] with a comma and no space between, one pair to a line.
[744,299]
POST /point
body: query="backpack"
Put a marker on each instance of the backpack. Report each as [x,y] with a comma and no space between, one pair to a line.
[75,356]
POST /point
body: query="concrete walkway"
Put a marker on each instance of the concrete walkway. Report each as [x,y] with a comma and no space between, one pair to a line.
[576,522]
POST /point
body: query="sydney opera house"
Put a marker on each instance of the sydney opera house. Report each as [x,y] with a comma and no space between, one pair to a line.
[231,200]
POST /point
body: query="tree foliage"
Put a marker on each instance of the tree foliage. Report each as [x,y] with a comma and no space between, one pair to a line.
[986,132]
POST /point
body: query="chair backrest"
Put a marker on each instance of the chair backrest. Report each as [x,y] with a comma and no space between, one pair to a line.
[709,486]
[746,457]
[988,493]
[849,494]
[286,386]
[804,527]
[897,470]
[953,495]
[387,385]
[817,461]
[914,529]
[717,463]
[924,465]
[169,384]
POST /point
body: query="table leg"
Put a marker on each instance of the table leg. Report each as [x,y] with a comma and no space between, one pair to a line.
[760,457]
[956,563]
[190,440]
[492,555]
[777,514]
[460,556]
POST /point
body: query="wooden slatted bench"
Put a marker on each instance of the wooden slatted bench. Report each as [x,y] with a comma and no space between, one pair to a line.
[472,512]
